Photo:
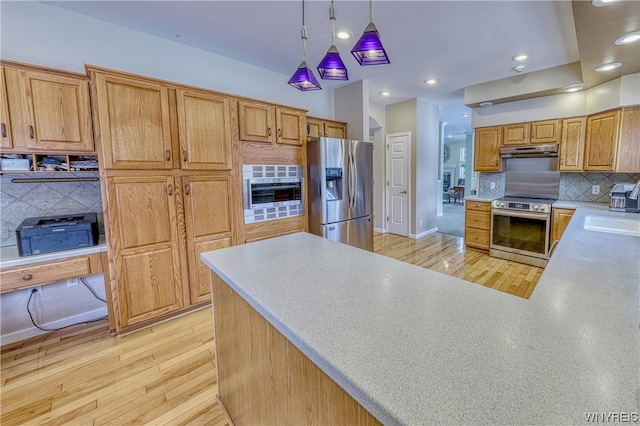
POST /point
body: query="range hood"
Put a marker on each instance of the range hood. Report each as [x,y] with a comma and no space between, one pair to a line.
[524,151]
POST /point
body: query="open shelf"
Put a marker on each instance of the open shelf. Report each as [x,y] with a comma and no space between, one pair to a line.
[49,163]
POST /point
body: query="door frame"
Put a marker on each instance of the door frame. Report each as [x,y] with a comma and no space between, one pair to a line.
[386,179]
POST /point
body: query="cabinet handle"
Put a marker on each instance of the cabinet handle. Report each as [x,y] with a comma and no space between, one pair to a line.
[610,160]
[168,154]
[269,131]
[27,277]
[31,136]
[279,133]
[187,189]
[3,129]
[184,155]
[170,189]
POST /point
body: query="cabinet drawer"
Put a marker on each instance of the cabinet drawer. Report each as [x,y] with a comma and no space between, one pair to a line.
[477,219]
[478,238]
[27,276]
[478,205]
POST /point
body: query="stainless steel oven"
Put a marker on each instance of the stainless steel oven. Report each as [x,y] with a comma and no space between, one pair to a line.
[520,231]
[272,191]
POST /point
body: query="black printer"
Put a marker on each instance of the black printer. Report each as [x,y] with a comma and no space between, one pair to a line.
[38,235]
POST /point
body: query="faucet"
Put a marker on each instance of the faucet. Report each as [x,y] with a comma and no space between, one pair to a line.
[634,191]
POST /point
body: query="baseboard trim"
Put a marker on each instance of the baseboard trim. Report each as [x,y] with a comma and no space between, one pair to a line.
[26,333]
[423,234]
[382,230]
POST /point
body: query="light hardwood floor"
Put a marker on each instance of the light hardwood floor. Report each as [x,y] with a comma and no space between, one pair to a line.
[166,375]
[447,254]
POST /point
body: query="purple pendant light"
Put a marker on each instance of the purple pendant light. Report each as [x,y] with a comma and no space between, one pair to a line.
[369,50]
[332,67]
[303,79]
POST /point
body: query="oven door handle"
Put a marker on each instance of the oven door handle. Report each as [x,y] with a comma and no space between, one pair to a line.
[526,215]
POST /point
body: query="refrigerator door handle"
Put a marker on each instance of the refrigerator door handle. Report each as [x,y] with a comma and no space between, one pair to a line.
[353,181]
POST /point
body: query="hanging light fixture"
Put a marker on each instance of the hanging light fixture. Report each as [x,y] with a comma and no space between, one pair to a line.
[332,67]
[303,79]
[369,50]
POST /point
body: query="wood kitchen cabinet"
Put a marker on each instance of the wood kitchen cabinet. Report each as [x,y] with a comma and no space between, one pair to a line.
[262,122]
[6,139]
[477,221]
[487,149]
[515,134]
[547,131]
[571,147]
[628,154]
[317,127]
[601,141]
[559,221]
[45,110]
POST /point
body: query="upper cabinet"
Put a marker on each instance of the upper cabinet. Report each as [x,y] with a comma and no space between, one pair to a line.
[45,110]
[6,139]
[629,141]
[261,122]
[572,144]
[487,149]
[601,141]
[137,118]
[317,127]
[537,132]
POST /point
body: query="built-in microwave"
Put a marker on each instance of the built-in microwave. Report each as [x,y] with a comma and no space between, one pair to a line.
[272,191]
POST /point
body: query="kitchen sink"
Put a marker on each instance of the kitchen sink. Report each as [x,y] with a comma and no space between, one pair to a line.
[613,225]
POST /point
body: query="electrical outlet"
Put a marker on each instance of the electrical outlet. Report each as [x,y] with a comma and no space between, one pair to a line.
[72,282]
[38,289]
[595,189]
[493,185]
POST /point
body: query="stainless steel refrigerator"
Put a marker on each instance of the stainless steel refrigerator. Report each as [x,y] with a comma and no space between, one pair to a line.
[341,190]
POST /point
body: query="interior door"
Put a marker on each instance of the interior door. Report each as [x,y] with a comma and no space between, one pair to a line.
[398,183]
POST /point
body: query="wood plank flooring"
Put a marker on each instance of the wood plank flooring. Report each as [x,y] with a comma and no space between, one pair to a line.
[447,254]
[164,375]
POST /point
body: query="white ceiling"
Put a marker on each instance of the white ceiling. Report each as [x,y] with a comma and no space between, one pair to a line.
[461,43]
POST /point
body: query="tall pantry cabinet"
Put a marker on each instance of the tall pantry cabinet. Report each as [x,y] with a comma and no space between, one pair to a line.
[165,156]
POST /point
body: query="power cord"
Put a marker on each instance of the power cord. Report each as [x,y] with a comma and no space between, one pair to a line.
[70,325]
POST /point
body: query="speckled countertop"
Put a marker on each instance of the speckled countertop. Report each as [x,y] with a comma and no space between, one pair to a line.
[417,347]
[9,255]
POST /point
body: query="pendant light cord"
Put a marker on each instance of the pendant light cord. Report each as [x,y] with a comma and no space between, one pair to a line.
[370,10]
[332,17]
[304,37]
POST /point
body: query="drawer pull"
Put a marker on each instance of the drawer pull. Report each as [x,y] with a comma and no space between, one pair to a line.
[27,277]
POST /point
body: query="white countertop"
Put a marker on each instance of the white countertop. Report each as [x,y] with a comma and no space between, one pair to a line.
[483,198]
[416,347]
[9,255]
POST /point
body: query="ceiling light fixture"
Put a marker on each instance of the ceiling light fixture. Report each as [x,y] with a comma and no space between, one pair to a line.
[628,38]
[608,67]
[520,57]
[332,67]
[343,34]
[485,104]
[303,79]
[518,68]
[574,88]
[369,50]
[465,115]
[602,3]
[385,93]
[431,80]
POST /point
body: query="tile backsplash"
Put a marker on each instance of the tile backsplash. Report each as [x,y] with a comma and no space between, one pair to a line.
[19,201]
[573,186]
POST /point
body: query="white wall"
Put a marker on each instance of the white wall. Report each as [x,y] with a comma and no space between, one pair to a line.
[352,106]
[427,166]
[379,164]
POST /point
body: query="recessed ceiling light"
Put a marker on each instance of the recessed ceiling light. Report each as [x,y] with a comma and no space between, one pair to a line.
[521,57]
[431,80]
[465,115]
[518,68]
[343,34]
[628,38]
[574,88]
[385,93]
[601,3]
[485,104]
[608,67]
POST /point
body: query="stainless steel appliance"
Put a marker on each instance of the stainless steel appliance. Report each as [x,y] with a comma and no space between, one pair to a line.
[521,220]
[272,191]
[341,190]
[624,198]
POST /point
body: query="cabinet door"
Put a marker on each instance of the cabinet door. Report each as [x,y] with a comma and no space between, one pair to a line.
[559,222]
[572,144]
[547,131]
[487,149]
[204,130]
[601,141]
[208,207]
[255,122]
[335,130]
[6,140]
[515,134]
[629,143]
[290,126]
[59,112]
[134,121]
[315,128]
[146,247]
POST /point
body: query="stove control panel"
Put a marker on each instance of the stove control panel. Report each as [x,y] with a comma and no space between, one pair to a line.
[521,206]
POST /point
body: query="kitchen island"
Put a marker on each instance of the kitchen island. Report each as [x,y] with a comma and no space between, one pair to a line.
[413,346]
